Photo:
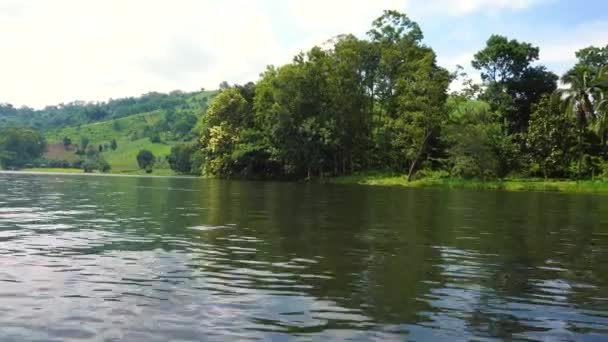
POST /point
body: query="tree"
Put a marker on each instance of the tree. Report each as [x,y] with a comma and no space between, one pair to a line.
[224,85]
[20,147]
[92,151]
[116,126]
[593,64]
[593,59]
[503,59]
[411,90]
[579,101]
[228,113]
[89,165]
[181,157]
[476,142]
[550,140]
[84,143]
[146,160]
[512,83]
[600,124]
[155,138]
[113,145]
[103,165]
[67,142]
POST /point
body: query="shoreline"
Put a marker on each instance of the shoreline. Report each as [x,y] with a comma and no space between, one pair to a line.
[511,185]
[78,172]
[393,180]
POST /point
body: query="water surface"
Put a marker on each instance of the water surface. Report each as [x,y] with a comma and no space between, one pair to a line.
[153,259]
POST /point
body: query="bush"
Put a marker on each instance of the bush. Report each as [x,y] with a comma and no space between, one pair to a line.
[77,164]
[155,138]
[103,165]
[59,164]
[89,165]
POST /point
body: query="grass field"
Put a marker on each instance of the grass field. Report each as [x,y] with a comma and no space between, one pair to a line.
[379,179]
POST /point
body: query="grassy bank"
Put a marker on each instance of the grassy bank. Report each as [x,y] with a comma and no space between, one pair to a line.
[380,179]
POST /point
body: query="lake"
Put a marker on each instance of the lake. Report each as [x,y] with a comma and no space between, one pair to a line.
[154,259]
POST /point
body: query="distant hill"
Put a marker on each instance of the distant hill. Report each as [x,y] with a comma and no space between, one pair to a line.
[82,113]
[153,121]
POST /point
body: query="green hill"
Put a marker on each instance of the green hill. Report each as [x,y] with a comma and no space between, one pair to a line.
[156,131]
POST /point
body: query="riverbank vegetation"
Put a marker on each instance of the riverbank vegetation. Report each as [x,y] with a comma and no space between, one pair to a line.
[375,103]
[382,103]
[440,179]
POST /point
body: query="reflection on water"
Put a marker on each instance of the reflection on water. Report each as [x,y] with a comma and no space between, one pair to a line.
[141,259]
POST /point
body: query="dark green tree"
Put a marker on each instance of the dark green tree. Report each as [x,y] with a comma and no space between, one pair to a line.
[513,84]
[67,142]
[20,147]
[84,143]
[181,157]
[146,160]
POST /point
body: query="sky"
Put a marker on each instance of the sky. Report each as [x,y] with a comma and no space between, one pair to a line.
[58,51]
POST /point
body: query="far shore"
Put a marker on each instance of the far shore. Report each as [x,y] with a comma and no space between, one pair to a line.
[79,172]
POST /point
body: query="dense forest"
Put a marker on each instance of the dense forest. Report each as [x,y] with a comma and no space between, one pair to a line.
[382,103]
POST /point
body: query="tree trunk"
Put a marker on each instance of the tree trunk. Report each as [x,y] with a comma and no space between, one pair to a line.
[414,164]
[335,164]
[410,174]
[580,151]
[604,147]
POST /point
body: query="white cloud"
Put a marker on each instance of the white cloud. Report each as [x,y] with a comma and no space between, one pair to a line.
[63,50]
[59,51]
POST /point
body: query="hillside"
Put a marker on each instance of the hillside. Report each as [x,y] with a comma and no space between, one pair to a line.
[82,113]
[156,130]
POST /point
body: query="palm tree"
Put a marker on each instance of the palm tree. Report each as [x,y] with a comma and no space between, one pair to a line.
[600,123]
[580,100]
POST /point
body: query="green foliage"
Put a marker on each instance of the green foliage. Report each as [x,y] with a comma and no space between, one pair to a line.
[93,162]
[103,165]
[116,126]
[155,138]
[84,142]
[20,147]
[551,141]
[477,143]
[513,84]
[88,165]
[82,113]
[182,158]
[67,142]
[146,160]
[356,105]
